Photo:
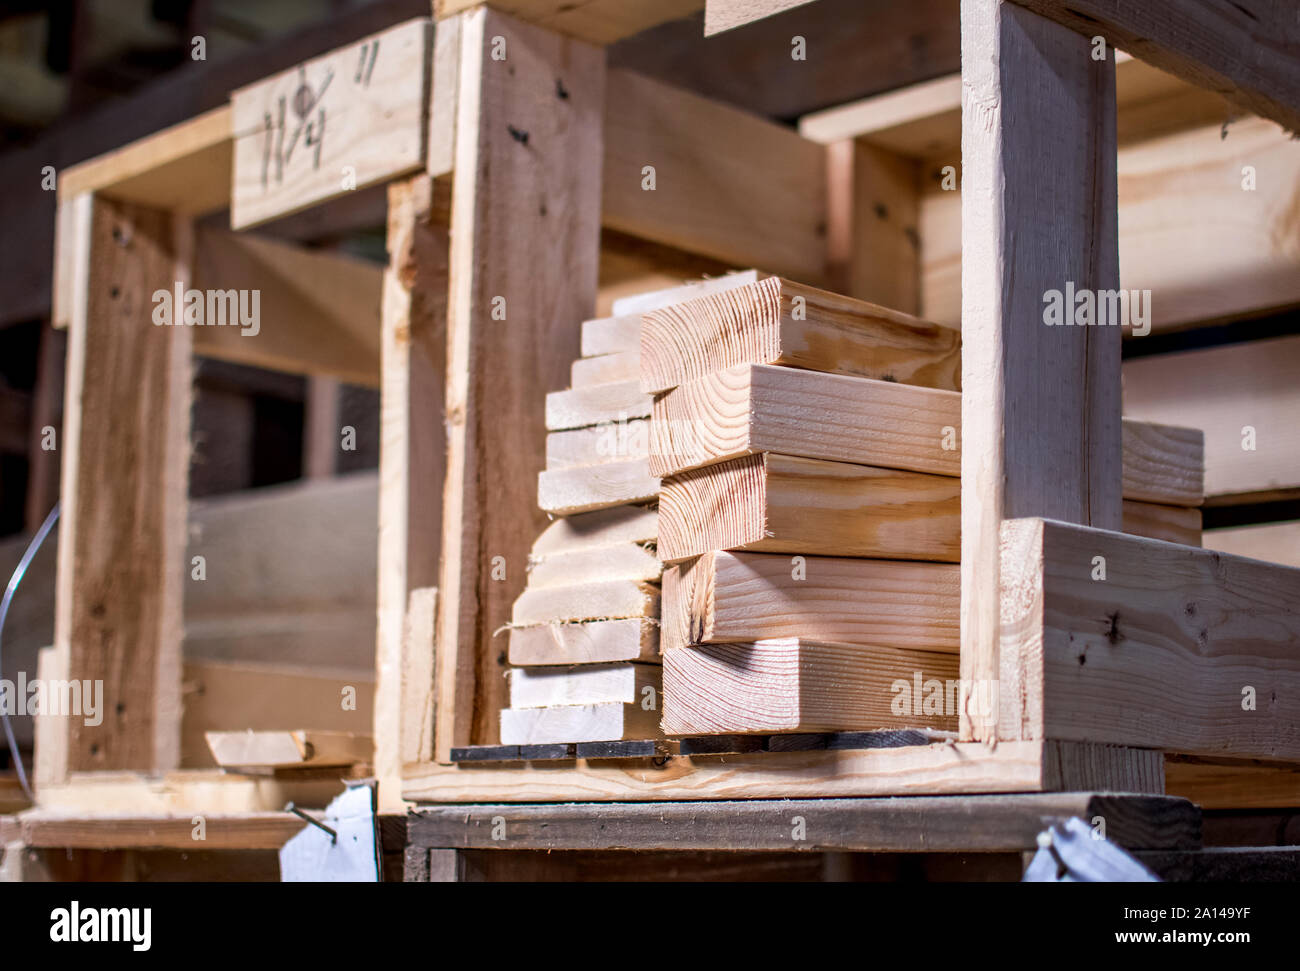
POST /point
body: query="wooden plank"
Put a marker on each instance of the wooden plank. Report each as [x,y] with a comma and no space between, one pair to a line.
[349,119]
[443,97]
[578,723]
[627,561]
[907,825]
[1040,408]
[599,21]
[1242,785]
[794,685]
[759,408]
[778,504]
[1179,649]
[578,407]
[720,15]
[126,424]
[185,168]
[612,335]
[1162,463]
[1173,524]
[613,441]
[624,366]
[776,321]
[608,600]
[762,204]
[245,831]
[1276,542]
[1245,398]
[415,733]
[412,462]
[606,527]
[1241,50]
[630,639]
[634,305]
[736,597]
[583,685]
[316,312]
[289,749]
[563,492]
[525,225]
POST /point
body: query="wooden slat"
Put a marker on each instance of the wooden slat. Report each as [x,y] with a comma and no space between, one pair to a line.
[1243,50]
[637,304]
[622,524]
[612,335]
[1040,405]
[349,119]
[630,639]
[563,492]
[577,723]
[624,366]
[1179,648]
[245,831]
[607,600]
[1173,524]
[1162,463]
[626,561]
[1274,542]
[585,684]
[776,321]
[578,407]
[614,441]
[289,749]
[1229,391]
[735,597]
[720,15]
[1245,785]
[764,207]
[788,685]
[125,458]
[779,504]
[598,21]
[525,225]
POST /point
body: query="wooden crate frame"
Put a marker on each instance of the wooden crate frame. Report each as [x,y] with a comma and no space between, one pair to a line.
[535,165]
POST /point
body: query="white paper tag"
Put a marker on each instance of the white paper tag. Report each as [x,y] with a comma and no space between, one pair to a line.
[313,857]
[1069,852]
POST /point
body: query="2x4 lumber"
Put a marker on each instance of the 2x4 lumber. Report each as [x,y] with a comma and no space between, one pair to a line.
[735,597]
[186,792]
[776,321]
[124,486]
[525,225]
[1173,524]
[222,831]
[1041,405]
[780,504]
[606,600]
[605,527]
[1242,50]
[759,408]
[598,21]
[937,824]
[591,642]
[289,749]
[578,723]
[761,203]
[1181,649]
[720,15]
[318,312]
[1244,785]
[606,368]
[1243,395]
[614,441]
[563,492]
[636,304]
[796,685]
[620,334]
[583,685]
[579,407]
[625,561]
[1272,542]
[413,448]
[352,118]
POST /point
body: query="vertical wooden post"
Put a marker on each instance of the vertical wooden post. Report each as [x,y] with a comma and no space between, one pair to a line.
[320,433]
[124,494]
[412,454]
[1040,404]
[525,232]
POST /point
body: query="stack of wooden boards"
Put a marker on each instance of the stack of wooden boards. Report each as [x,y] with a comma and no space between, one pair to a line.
[810,516]
[584,635]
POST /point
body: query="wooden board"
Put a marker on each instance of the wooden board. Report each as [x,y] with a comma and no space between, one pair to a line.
[611,335]
[775,321]
[607,600]
[761,203]
[1274,542]
[1040,405]
[736,597]
[1242,395]
[615,441]
[626,561]
[1173,524]
[775,503]
[789,685]
[577,723]
[1167,652]
[242,831]
[299,749]
[349,119]
[525,225]
[588,684]
[641,303]
[720,15]
[623,366]
[563,492]
[599,21]
[630,639]
[605,527]
[1162,463]
[1240,49]
[578,407]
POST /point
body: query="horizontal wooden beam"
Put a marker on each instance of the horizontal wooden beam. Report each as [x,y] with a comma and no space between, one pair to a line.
[1114,639]
[1244,50]
[597,21]
[243,831]
[720,15]
[299,749]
